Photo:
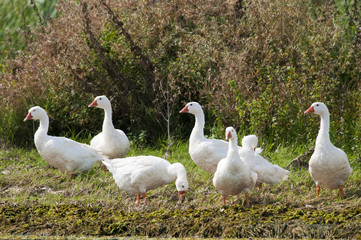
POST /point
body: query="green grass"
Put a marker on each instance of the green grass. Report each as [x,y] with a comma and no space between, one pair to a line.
[36,199]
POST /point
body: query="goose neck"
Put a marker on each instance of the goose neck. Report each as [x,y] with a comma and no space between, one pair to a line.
[323,137]
[197,132]
[44,124]
[175,171]
[107,123]
[233,148]
[43,127]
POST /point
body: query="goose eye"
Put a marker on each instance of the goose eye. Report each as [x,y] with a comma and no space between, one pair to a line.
[317,105]
[100,98]
[191,104]
[34,110]
[182,186]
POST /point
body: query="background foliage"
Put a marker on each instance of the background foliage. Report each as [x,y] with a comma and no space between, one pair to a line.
[16,20]
[255,65]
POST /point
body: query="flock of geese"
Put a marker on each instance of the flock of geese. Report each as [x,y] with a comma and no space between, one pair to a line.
[235,169]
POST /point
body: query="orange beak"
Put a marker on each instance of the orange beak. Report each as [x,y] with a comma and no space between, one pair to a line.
[29,116]
[180,195]
[93,104]
[229,135]
[184,110]
[310,110]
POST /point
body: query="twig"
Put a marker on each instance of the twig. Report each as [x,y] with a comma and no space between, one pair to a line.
[109,64]
[25,30]
[145,62]
[38,15]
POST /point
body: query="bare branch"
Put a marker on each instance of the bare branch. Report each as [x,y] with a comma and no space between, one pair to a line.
[38,15]
[109,64]
[145,62]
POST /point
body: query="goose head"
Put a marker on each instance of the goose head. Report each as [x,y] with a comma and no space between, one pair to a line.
[230,133]
[181,186]
[181,182]
[250,141]
[100,102]
[192,107]
[318,108]
[35,113]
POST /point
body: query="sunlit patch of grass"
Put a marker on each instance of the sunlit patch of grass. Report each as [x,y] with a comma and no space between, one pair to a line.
[92,204]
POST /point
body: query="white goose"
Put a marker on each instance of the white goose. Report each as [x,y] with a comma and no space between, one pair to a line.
[204,152]
[139,174]
[111,142]
[266,171]
[328,165]
[63,153]
[233,176]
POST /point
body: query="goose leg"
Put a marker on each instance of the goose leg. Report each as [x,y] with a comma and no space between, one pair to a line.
[247,198]
[224,199]
[259,185]
[340,188]
[138,200]
[318,189]
[145,198]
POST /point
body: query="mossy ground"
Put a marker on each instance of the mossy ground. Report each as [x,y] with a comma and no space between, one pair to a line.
[36,200]
[227,221]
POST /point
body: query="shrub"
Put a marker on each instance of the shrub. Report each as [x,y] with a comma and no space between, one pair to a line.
[291,56]
[255,65]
